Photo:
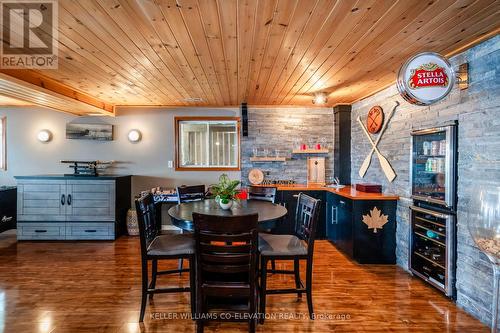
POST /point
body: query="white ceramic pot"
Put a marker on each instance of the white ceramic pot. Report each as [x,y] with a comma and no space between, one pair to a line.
[225,206]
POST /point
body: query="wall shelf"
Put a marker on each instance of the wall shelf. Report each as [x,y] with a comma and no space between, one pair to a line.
[311,151]
[267,159]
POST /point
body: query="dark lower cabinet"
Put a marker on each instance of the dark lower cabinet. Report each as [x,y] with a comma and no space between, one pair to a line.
[365,230]
[8,204]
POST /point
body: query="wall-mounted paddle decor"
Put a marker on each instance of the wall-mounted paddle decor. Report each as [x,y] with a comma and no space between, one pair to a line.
[425,79]
[99,132]
[384,163]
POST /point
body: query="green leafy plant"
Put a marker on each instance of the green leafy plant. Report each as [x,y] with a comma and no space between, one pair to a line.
[225,189]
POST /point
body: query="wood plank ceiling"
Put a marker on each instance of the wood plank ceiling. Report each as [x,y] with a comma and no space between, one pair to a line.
[264,52]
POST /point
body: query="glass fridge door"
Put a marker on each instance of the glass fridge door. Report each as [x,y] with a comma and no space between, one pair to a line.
[433,165]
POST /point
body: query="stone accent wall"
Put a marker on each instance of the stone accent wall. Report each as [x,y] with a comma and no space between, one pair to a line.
[478,111]
[276,128]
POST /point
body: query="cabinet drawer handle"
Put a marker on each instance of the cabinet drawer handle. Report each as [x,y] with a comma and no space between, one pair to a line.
[295,195]
[342,202]
[63,199]
[335,215]
[40,231]
[69,199]
[90,230]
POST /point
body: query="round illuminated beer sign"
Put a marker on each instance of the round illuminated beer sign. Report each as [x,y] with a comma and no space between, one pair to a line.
[425,78]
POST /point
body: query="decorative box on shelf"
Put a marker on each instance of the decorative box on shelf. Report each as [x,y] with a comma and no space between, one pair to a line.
[311,151]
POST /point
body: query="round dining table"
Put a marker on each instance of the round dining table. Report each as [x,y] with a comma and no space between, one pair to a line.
[269,213]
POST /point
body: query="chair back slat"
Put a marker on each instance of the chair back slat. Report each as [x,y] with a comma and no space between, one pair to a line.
[226,247]
[307,216]
[224,238]
[147,221]
[234,259]
[225,269]
[190,193]
[262,193]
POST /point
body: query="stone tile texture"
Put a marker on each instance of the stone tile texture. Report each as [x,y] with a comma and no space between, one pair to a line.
[277,128]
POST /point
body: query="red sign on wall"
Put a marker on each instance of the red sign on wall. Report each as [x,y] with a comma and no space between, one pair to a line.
[428,75]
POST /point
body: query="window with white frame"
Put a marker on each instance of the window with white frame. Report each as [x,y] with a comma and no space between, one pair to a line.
[211,143]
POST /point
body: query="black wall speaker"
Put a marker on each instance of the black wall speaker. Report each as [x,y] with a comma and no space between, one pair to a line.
[244,119]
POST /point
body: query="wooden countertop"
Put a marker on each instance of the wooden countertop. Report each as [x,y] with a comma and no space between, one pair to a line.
[347,192]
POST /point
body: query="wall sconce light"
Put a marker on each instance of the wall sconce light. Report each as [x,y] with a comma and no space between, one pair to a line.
[320,98]
[44,136]
[134,136]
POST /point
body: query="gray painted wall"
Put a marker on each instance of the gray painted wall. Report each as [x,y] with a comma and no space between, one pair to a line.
[147,160]
[477,109]
[277,128]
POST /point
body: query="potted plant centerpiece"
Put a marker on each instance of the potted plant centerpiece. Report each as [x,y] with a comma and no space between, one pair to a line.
[225,191]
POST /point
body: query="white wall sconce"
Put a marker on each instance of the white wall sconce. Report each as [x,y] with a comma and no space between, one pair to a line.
[44,136]
[134,136]
[320,98]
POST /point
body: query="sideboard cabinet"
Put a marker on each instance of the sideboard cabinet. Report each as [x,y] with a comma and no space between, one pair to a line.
[72,208]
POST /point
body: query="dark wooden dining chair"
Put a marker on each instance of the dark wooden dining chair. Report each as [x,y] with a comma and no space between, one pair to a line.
[263,193]
[291,247]
[190,193]
[226,267]
[156,246]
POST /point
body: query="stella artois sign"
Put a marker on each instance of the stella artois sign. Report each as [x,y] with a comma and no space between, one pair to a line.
[425,79]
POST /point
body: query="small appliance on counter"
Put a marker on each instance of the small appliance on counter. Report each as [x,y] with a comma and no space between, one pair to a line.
[87,168]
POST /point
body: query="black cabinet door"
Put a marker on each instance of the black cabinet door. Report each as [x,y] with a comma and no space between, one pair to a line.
[375,246]
[344,216]
[8,209]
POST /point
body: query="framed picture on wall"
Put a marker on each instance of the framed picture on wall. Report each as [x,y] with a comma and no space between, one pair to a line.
[3,163]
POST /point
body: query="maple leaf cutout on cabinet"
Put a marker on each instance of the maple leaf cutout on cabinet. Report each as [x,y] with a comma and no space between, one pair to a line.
[375,220]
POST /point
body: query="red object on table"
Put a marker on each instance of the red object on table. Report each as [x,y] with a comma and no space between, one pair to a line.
[369,188]
[318,146]
[242,195]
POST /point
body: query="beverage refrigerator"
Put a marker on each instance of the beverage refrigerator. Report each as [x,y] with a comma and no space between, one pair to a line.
[433,213]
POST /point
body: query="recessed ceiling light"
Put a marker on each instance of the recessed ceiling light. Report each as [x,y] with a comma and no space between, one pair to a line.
[193,99]
[320,98]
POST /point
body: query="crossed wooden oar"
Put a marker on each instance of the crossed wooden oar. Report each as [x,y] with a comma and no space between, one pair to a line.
[384,163]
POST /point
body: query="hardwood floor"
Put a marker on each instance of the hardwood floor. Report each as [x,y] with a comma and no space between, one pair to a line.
[95,287]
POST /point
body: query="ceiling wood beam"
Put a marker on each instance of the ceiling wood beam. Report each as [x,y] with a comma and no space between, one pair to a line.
[39,90]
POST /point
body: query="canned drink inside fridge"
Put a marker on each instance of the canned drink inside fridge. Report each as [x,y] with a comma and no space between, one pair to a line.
[426,147]
[435,148]
[442,147]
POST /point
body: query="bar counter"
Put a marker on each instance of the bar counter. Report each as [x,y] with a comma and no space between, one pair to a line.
[346,192]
